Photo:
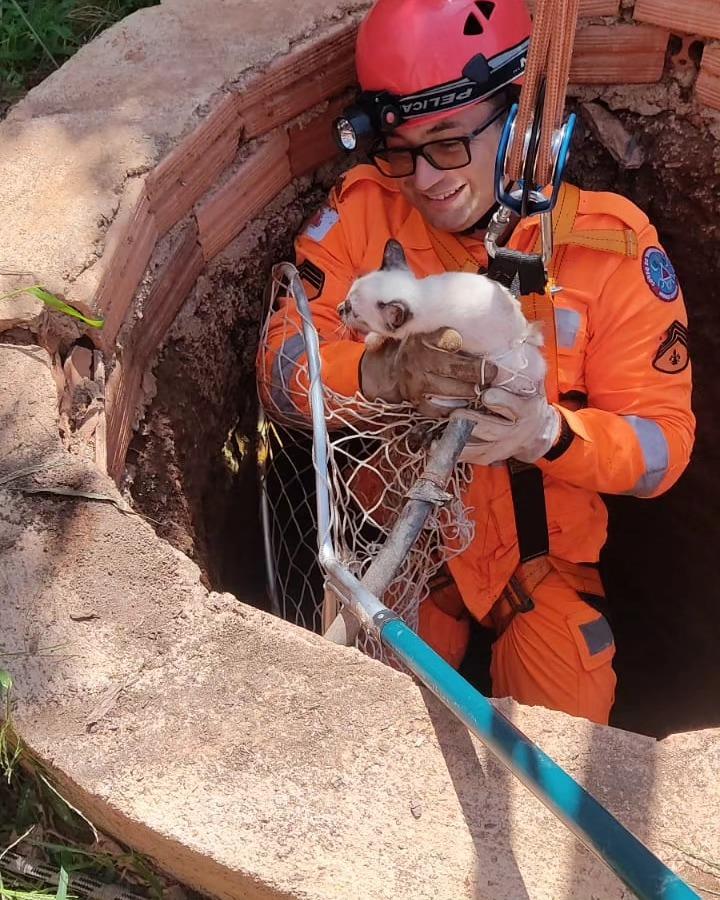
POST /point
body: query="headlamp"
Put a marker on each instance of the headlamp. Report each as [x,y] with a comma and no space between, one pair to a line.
[352,128]
[378,113]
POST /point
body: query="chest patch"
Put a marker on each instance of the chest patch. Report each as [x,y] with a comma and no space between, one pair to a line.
[660,274]
[321,223]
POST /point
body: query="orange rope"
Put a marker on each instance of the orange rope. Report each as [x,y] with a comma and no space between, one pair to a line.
[551,47]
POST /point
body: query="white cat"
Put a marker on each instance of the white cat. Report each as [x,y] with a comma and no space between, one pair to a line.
[393,303]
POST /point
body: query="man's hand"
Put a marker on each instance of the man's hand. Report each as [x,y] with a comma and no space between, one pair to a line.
[512,426]
[416,370]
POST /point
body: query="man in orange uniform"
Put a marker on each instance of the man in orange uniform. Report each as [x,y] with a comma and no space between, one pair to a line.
[437,76]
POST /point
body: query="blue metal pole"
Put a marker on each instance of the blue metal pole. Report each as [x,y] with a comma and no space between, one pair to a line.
[599,831]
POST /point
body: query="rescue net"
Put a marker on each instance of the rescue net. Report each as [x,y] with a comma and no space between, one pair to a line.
[376,451]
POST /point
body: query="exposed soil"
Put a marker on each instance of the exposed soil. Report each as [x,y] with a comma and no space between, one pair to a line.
[659,562]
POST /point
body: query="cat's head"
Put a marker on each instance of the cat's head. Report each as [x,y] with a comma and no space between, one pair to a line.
[383,301]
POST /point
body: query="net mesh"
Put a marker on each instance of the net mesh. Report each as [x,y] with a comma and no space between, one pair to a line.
[376,452]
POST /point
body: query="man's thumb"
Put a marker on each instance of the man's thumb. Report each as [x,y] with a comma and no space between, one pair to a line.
[501,403]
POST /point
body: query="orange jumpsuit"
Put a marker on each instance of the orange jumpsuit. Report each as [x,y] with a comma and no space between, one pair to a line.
[624,381]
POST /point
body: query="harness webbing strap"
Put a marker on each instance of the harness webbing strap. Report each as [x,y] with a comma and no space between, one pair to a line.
[526,482]
[622,241]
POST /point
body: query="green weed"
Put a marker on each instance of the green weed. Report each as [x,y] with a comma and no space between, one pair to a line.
[54,303]
[9,745]
[36,820]
[37,36]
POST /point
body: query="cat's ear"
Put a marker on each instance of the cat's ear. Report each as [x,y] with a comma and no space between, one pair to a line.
[394,314]
[394,256]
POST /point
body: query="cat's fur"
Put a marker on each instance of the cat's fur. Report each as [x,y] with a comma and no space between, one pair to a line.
[393,303]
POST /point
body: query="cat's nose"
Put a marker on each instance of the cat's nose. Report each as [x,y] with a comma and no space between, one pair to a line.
[344,307]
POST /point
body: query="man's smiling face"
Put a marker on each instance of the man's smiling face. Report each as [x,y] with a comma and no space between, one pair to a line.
[454,199]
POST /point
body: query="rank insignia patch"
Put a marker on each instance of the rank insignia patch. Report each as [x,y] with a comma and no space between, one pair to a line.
[660,274]
[314,278]
[672,355]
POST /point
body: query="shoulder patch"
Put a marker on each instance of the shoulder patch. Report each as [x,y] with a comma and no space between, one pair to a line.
[320,224]
[660,274]
[314,278]
[672,355]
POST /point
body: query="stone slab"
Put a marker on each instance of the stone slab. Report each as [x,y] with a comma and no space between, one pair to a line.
[253,759]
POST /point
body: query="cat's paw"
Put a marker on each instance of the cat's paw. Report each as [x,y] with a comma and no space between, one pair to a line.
[449,340]
[374,341]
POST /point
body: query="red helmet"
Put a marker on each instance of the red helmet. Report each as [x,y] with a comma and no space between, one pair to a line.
[422,59]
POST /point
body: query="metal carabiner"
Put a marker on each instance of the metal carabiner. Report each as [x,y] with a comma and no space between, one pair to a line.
[527,198]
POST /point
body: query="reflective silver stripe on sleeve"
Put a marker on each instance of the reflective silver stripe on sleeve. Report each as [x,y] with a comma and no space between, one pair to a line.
[655,452]
[283,369]
[567,325]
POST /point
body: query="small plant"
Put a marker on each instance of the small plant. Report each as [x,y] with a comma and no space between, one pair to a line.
[36,819]
[54,302]
[9,745]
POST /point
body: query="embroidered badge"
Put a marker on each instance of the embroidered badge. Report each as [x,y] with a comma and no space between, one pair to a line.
[321,223]
[672,355]
[660,274]
[314,278]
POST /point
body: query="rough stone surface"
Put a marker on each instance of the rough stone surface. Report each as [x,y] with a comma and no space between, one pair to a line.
[28,409]
[252,759]
[119,105]
[21,310]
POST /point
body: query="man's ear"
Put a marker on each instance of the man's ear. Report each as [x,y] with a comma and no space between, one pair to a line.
[394,314]
[394,256]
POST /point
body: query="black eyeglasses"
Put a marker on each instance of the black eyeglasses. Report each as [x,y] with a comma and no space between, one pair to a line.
[450,153]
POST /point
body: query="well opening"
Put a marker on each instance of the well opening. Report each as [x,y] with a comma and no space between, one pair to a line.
[192,463]
[161,211]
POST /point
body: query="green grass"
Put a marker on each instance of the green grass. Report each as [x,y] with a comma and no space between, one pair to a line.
[37,36]
[36,822]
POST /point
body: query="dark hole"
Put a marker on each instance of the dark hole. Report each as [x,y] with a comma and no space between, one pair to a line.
[695,51]
[675,44]
[472,25]
[486,7]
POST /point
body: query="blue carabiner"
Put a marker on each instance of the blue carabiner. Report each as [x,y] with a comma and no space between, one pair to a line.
[537,202]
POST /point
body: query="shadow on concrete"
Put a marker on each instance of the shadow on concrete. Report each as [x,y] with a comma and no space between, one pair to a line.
[469,780]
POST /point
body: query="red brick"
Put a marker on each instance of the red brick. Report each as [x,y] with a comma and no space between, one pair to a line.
[299,81]
[129,245]
[192,167]
[77,367]
[168,293]
[121,398]
[312,144]
[225,212]
[171,286]
[707,86]
[711,60]
[618,54]
[688,16]
[590,8]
